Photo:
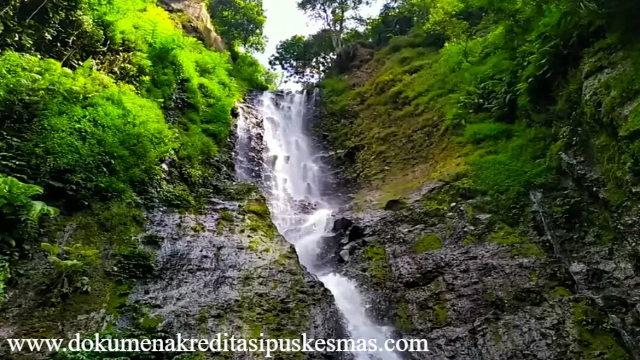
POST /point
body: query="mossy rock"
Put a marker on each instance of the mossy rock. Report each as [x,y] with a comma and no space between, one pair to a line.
[428,242]
[375,256]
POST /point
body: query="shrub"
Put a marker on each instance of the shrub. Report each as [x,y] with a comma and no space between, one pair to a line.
[71,264]
[79,129]
[18,212]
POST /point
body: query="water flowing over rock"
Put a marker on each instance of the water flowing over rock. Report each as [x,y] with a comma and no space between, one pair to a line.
[296,182]
[228,271]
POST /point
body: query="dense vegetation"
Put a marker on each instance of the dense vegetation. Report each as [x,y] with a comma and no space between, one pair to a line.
[108,107]
[496,79]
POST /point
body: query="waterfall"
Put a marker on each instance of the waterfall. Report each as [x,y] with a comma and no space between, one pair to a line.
[293,178]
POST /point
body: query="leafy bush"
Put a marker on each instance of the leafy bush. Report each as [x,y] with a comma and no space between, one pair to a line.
[79,130]
[18,213]
[71,265]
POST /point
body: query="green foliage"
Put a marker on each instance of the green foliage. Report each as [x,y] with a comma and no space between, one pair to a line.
[83,136]
[428,242]
[19,214]
[593,328]
[5,274]
[59,28]
[79,129]
[251,74]
[334,15]
[403,318]
[510,166]
[240,22]
[71,265]
[304,59]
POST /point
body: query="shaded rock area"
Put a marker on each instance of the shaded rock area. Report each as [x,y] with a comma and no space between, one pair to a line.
[476,288]
[223,270]
[229,271]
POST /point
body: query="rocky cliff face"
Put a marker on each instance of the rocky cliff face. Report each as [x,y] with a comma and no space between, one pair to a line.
[474,293]
[229,271]
[221,269]
[199,24]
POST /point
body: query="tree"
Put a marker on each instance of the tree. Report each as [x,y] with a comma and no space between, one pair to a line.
[304,59]
[240,23]
[333,14]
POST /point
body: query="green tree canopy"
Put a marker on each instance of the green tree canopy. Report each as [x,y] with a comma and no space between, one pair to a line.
[333,14]
[304,59]
[240,23]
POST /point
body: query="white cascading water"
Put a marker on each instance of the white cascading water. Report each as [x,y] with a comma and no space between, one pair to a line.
[297,178]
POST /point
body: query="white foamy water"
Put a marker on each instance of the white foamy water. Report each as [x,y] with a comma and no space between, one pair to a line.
[296,179]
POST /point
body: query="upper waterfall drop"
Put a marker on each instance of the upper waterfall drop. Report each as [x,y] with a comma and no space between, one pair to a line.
[293,178]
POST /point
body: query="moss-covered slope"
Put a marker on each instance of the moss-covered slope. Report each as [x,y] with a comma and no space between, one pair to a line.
[496,194]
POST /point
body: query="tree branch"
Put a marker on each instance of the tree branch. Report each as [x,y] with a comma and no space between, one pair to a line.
[38,9]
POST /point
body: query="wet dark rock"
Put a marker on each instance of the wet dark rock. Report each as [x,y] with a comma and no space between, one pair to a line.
[355,233]
[395,204]
[344,255]
[271,161]
[342,224]
[305,207]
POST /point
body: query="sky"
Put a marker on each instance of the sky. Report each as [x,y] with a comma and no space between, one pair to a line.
[285,20]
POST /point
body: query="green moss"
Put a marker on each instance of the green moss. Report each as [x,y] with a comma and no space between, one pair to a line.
[440,315]
[275,318]
[604,226]
[258,208]
[596,342]
[428,242]
[375,257]
[150,323]
[614,160]
[479,133]
[560,292]
[403,318]
[226,215]
[254,244]
[520,245]
[505,235]
[532,251]
[117,297]
[198,228]
[133,263]
[496,335]
[438,202]
[470,239]
[260,225]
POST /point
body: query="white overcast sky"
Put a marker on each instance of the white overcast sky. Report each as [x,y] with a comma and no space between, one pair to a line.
[285,20]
